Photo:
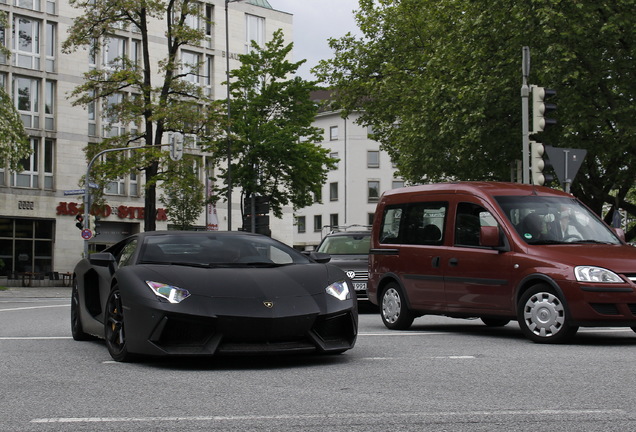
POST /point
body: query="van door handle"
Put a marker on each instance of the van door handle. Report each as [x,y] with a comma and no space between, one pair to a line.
[435,262]
[453,262]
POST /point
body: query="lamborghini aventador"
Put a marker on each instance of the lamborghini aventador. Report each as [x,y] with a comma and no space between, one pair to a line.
[211,293]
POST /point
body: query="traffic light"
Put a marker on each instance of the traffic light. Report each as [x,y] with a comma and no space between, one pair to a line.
[176,146]
[261,210]
[79,221]
[540,164]
[541,108]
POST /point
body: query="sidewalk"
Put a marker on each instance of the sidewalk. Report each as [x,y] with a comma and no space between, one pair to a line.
[36,292]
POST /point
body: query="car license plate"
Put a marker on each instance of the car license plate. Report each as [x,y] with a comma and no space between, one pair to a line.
[359,286]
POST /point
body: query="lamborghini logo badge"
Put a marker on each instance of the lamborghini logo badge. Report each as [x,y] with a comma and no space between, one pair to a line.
[268,304]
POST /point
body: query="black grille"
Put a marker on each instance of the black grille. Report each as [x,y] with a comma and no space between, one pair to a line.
[605,308]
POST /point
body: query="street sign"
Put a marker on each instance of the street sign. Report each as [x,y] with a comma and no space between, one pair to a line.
[566,162]
[75,192]
[87,234]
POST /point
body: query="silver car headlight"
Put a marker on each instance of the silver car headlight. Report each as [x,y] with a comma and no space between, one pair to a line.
[596,274]
[339,290]
[169,292]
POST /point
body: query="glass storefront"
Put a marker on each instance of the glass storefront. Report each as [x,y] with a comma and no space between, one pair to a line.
[26,245]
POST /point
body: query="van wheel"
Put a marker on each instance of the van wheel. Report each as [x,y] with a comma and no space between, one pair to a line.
[394,312]
[542,316]
[495,322]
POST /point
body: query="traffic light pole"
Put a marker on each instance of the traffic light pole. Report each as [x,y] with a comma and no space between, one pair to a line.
[525,123]
[87,204]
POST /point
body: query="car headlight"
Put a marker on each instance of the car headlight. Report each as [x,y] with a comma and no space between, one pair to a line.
[169,292]
[596,274]
[339,290]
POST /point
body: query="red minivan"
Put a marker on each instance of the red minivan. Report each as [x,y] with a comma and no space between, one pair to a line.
[499,251]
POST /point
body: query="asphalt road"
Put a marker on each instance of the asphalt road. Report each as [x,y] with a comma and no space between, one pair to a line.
[442,375]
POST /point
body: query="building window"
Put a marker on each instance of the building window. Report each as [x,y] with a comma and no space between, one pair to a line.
[3,42]
[208,75]
[38,164]
[116,187]
[396,184]
[333,191]
[113,52]
[190,63]
[333,220]
[374,190]
[333,133]
[49,105]
[373,159]
[370,217]
[28,4]
[209,20]
[255,31]
[112,127]
[26,42]
[301,224]
[334,155]
[51,44]
[318,197]
[133,185]
[26,93]
[192,18]
[317,223]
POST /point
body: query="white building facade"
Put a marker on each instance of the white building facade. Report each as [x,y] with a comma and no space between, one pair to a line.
[352,190]
[38,205]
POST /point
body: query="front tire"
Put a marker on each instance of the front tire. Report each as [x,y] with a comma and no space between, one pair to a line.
[543,317]
[114,329]
[77,330]
[393,309]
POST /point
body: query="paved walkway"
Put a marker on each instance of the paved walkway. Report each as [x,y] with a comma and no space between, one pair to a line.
[36,292]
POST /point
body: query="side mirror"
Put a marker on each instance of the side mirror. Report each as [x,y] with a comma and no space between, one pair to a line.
[101,259]
[489,236]
[319,257]
[620,233]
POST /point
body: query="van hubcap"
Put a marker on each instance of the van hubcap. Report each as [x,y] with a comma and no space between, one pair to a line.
[544,314]
[391,305]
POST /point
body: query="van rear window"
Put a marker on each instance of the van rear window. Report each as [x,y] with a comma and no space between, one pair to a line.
[415,223]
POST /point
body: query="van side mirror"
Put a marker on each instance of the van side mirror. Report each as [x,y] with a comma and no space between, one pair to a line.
[489,236]
[319,257]
[620,233]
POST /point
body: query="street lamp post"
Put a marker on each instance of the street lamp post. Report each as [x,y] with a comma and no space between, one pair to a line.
[229,116]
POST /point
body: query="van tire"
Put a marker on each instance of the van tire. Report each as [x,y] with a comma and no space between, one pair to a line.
[495,322]
[393,310]
[543,317]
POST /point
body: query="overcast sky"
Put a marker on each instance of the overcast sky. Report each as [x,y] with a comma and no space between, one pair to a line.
[315,21]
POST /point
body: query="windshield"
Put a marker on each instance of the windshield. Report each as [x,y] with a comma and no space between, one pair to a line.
[213,250]
[354,244]
[550,220]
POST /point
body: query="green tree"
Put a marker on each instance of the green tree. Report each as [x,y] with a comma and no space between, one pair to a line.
[275,150]
[440,84]
[154,97]
[183,193]
[14,142]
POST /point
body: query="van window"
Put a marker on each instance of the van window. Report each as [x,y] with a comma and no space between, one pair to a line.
[418,223]
[390,229]
[550,220]
[470,218]
[425,223]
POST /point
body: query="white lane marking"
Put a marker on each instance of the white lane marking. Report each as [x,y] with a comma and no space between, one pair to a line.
[34,307]
[35,337]
[336,416]
[416,333]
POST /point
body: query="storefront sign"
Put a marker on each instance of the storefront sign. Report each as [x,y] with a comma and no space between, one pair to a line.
[122,211]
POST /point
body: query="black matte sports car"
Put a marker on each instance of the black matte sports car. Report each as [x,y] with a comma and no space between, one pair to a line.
[211,293]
